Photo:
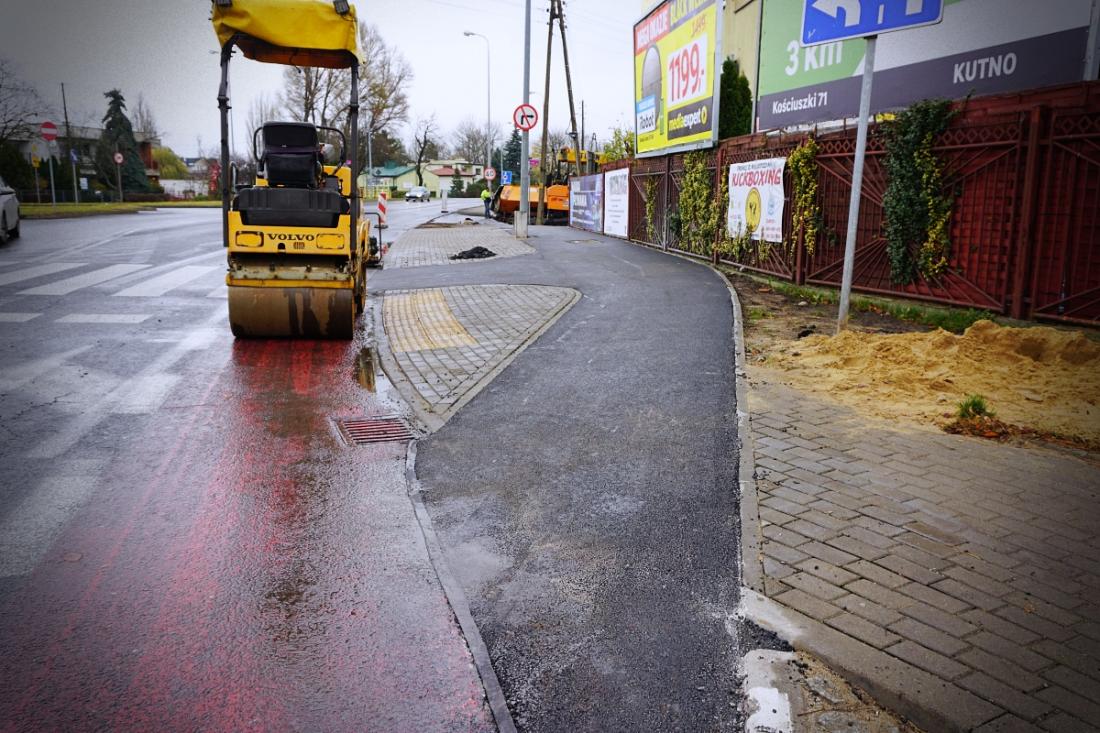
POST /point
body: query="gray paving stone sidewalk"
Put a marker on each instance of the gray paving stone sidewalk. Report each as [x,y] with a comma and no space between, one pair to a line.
[976,562]
[434,245]
[443,344]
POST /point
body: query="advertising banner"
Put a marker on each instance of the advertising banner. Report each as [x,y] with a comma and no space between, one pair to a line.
[676,47]
[756,199]
[616,202]
[586,203]
[980,47]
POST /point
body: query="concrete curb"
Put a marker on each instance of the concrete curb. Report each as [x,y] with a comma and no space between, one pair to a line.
[899,686]
[494,695]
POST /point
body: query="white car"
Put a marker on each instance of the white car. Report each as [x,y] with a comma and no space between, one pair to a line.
[9,213]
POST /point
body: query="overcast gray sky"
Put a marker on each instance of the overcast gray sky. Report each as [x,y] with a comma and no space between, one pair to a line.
[163,49]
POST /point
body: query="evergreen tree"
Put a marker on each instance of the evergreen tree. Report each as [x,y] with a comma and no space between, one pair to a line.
[118,136]
[734,102]
[513,151]
[457,187]
[14,168]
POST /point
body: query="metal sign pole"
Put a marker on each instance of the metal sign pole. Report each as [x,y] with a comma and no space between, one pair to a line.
[857,184]
[525,166]
[53,192]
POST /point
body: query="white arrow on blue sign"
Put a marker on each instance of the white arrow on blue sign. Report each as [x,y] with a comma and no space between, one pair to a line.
[826,21]
[506,178]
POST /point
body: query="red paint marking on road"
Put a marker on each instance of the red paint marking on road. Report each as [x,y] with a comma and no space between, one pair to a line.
[230,690]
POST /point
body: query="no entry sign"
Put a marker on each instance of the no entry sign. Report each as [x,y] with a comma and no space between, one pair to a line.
[525,117]
[48,131]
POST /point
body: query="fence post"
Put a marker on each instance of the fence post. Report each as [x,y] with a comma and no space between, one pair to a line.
[1024,250]
[799,258]
[718,158]
[666,196]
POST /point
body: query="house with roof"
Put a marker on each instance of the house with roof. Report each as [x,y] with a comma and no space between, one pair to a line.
[84,142]
[447,170]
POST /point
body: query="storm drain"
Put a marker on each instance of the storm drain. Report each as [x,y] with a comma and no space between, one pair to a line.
[364,431]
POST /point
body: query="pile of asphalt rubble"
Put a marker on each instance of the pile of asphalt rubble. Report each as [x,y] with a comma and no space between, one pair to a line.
[476,253]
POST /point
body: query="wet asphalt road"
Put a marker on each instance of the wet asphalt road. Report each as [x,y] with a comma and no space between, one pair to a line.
[587,497]
[185,541]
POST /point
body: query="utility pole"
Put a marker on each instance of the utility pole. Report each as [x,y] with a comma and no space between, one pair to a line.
[69,139]
[582,145]
[546,112]
[568,84]
[525,166]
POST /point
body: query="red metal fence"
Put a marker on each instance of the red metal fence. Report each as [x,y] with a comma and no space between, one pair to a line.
[1023,171]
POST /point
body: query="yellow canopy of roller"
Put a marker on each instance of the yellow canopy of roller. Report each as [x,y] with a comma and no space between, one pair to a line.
[290,32]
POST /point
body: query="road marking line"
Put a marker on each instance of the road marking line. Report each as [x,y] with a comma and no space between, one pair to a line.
[88,279]
[17,317]
[37,271]
[113,318]
[64,439]
[164,283]
[146,394]
[27,533]
[220,292]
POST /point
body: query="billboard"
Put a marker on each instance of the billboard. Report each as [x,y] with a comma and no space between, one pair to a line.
[586,202]
[980,47]
[616,202]
[756,198]
[676,69]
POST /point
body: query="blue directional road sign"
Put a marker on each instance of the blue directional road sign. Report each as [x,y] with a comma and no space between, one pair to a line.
[826,21]
[506,178]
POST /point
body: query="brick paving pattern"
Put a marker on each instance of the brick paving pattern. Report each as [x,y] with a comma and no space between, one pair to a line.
[425,246]
[443,365]
[974,561]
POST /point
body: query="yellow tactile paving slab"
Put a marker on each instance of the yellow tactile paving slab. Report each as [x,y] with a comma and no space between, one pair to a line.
[422,321]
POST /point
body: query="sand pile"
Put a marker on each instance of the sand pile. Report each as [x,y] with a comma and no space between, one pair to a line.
[1040,378]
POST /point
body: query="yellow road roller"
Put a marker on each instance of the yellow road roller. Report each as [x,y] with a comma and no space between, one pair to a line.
[297,240]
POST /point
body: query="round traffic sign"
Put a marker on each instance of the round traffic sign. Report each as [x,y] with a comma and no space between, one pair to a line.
[490,173]
[118,158]
[525,117]
[48,131]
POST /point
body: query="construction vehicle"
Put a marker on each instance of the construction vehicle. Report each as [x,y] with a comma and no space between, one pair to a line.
[506,198]
[297,240]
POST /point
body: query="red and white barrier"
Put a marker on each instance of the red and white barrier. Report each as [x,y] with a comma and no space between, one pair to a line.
[382,196]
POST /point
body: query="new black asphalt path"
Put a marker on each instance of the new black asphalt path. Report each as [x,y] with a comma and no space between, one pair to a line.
[587,498]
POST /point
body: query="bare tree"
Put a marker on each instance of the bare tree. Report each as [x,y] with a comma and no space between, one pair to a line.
[424,142]
[387,74]
[263,109]
[316,95]
[20,105]
[468,140]
[143,118]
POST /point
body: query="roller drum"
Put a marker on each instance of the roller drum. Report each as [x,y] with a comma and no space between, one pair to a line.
[267,312]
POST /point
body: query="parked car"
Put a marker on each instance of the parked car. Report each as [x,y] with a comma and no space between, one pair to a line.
[9,213]
[418,193]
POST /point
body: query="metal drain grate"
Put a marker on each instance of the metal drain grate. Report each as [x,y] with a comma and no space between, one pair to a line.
[364,431]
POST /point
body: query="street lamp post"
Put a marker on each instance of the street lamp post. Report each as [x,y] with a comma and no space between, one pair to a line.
[488,103]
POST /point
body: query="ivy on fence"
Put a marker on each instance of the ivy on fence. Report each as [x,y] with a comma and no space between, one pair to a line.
[916,209]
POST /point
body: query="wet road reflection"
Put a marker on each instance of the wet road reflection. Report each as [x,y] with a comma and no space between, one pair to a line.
[243,569]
